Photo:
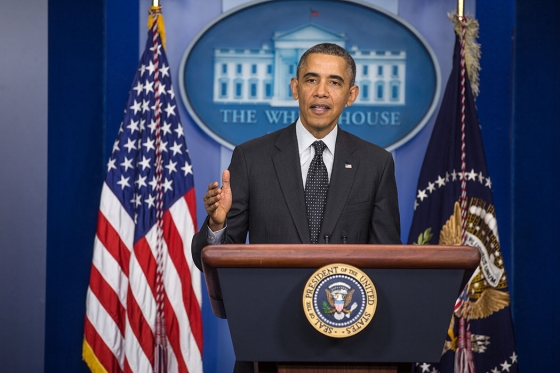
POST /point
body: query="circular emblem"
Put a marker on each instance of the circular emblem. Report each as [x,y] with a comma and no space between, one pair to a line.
[235,75]
[339,300]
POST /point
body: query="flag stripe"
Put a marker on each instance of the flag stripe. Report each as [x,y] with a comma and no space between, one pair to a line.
[117,217]
[127,368]
[112,244]
[138,359]
[174,338]
[188,222]
[107,296]
[190,200]
[103,353]
[184,263]
[103,333]
[111,271]
[141,304]
[186,311]
[145,259]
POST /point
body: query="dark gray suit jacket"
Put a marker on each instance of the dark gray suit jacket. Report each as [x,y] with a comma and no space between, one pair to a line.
[269,203]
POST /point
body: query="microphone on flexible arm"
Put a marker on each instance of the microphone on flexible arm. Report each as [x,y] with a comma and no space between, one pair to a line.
[343,236]
[327,238]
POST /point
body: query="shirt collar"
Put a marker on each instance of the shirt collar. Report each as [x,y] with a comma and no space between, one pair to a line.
[305,138]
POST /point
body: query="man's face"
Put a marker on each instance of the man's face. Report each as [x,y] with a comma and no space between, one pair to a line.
[323,89]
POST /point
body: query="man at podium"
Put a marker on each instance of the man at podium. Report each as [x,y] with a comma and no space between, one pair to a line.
[310,182]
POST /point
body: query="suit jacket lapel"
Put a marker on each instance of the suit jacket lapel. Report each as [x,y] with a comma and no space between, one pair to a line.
[344,171]
[288,170]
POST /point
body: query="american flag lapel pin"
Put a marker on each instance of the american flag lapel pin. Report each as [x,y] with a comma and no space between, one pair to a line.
[347,165]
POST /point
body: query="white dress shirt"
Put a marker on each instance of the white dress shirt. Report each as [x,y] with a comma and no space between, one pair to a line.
[307,151]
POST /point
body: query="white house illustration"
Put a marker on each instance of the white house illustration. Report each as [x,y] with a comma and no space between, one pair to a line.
[262,76]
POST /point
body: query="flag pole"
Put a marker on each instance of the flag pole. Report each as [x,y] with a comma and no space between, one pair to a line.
[460,8]
[156,8]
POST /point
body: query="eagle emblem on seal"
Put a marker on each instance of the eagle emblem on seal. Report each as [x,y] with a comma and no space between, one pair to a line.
[339,297]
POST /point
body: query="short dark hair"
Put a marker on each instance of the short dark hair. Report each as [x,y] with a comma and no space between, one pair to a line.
[331,50]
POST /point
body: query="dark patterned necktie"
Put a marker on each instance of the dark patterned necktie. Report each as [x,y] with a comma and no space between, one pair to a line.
[316,187]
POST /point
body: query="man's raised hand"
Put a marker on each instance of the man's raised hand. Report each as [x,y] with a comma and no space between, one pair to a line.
[217,202]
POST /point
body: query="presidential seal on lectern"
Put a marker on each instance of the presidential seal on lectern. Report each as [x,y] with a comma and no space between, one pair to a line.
[339,300]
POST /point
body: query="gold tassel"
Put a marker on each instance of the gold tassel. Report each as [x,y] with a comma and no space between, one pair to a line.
[160,24]
[91,360]
[472,48]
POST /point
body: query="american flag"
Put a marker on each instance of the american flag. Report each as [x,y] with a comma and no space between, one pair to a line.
[143,301]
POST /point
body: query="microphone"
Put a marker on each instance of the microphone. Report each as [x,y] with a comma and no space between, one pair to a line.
[327,238]
[343,236]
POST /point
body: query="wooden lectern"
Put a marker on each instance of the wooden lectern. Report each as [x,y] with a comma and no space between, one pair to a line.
[259,288]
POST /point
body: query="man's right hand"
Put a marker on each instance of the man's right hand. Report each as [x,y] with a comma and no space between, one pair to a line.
[217,202]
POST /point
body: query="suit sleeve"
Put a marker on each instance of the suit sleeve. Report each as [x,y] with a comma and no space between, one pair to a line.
[238,216]
[199,242]
[385,221]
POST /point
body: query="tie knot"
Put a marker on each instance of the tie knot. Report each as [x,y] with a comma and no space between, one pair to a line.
[319,147]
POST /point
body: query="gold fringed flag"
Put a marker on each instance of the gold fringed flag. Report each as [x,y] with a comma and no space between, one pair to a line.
[454,206]
[143,301]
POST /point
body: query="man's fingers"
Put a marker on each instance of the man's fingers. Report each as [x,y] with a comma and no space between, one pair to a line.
[225,179]
[211,207]
[211,199]
[212,193]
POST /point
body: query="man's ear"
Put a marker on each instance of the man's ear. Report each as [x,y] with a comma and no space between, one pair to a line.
[354,92]
[294,87]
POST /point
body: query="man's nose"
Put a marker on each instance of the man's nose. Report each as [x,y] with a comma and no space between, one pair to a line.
[322,89]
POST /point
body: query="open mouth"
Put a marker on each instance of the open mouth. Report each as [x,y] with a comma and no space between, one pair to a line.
[319,109]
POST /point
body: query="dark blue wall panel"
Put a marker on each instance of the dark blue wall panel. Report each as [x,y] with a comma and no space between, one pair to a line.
[536,180]
[121,61]
[76,121]
[494,108]
[93,49]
